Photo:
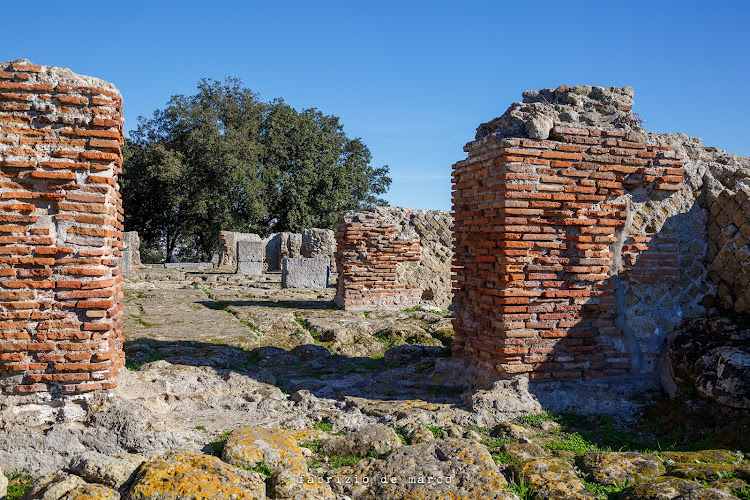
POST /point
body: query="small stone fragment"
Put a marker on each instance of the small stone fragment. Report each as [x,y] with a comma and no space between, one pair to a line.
[701,472]
[289,485]
[508,430]
[378,439]
[520,452]
[91,492]
[553,479]
[53,486]
[112,471]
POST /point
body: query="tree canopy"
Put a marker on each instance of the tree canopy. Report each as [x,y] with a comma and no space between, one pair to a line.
[222,159]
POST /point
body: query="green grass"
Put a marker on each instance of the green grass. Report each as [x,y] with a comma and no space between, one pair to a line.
[502,458]
[152,356]
[436,431]
[313,446]
[366,314]
[336,461]
[314,463]
[521,488]
[19,482]
[306,326]
[494,443]
[536,419]
[217,446]
[385,339]
[575,443]
[262,468]
[200,427]
[401,435]
[323,426]
[742,494]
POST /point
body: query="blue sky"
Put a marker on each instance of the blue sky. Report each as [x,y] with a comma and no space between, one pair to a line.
[412,79]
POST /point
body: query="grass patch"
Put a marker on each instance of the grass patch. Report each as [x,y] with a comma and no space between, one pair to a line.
[140,321]
[314,463]
[502,458]
[323,426]
[306,326]
[436,431]
[366,314]
[216,447]
[536,419]
[18,482]
[262,468]
[384,338]
[313,446]
[152,356]
[575,443]
[336,461]
[610,492]
[200,427]
[401,435]
[494,443]
[521,488]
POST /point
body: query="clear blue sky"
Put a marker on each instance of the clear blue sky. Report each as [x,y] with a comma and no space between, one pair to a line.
[412,79]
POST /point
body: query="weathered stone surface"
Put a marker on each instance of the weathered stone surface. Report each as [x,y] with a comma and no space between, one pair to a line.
[91,492]
[520,452]
[713,354]
[472,473]
[131,255]
[706,494]
[701,472]
[621,467]
[304,273]
[194,476]
[509,430]
[506,400]
[553,479]
[277,449]
[53,486]
[3,485]
[372,438]
[288,485]
[661,488]
[112,471]
[705,456]
[319,243]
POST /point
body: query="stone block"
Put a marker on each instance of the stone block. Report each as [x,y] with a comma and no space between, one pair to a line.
[250,268]
[304,273]
[250,251]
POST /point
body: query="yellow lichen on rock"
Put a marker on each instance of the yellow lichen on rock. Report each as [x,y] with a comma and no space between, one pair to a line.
[92,492]
[276,448]
[186,475]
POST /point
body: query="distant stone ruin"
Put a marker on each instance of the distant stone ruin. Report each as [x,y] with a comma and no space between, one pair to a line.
[581,239]
[61,231]
[393,258]
[311,243]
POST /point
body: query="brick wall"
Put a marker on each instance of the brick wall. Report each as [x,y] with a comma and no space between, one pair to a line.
[539,229]
[369,247]
[60,231]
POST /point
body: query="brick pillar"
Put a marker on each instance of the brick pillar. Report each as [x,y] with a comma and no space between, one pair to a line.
[369,247]
[536,226]
[60,231]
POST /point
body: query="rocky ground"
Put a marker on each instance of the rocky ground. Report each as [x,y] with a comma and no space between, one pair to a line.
[236,388]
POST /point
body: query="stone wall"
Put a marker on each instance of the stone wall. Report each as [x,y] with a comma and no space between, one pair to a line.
[394,258]
[580,240]
[60,227]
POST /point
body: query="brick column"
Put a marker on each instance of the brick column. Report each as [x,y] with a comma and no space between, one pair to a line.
[536,226]
[369,247]
[60,231]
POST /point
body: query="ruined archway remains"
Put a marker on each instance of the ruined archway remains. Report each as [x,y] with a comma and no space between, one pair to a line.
[60,229]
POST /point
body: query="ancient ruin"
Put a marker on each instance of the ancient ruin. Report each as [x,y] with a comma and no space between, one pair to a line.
[391,258]
[581,240]
[61,232]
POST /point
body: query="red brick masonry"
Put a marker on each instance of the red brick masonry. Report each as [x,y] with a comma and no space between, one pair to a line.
[369,247]
[60,231]
[536,227]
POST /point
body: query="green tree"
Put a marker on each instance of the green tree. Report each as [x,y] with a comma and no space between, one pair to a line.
[224,160]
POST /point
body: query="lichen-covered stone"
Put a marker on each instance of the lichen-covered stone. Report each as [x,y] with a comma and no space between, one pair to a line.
[616,467]
[701,472]
[553,479]
[91,492]
[249,446]
[661,488]
[184,475]
[113,471]
[730,484]
[289,485]
[371,438]
[445,469]
[520,452]
[508,430]
[706,494]
[704,456]
[53,486]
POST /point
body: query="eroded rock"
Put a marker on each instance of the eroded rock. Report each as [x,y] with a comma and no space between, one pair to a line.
[377,439]
[553,479]
[621,467]
[194,476]
[276,448]
[661,488]
[112,471]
